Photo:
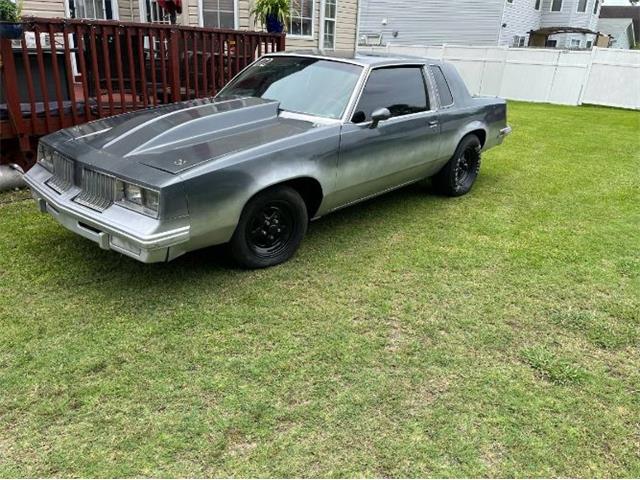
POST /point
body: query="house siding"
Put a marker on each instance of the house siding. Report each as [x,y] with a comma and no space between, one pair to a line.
[346,24]
[433,22]
[520,18]
[49,9]
[129,10]
[466,22]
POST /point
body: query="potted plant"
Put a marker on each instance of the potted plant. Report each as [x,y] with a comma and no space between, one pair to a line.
[10,26]
[272,13]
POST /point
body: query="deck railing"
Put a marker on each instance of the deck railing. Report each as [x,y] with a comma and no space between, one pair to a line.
[64,72]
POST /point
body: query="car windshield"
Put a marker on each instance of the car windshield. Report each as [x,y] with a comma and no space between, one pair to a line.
[301,84]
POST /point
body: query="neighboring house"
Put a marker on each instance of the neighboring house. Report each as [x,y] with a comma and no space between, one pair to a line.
[432,22]
[327,24]
[570,13]
[468,22]
[620,30]
[632,12]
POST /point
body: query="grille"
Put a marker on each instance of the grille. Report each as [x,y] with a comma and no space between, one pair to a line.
[98,190]
[62,179]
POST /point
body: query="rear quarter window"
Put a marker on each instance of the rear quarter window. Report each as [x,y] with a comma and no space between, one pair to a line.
[446,98]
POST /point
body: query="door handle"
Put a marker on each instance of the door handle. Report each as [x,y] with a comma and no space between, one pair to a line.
[433,123]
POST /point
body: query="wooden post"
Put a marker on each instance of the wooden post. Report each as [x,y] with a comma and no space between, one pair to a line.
[12,93]
[174,64]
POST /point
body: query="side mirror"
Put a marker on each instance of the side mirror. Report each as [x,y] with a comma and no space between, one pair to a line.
[379,115]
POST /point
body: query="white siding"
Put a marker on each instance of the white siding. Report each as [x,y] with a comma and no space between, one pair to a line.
[433,22]
[520,18]
[470,22]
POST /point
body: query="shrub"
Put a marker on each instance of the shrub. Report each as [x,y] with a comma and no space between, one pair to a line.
[10,11]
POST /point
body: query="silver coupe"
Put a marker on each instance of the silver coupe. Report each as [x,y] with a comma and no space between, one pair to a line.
[291,138]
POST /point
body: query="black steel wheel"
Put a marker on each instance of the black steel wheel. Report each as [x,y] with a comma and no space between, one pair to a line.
[460,172]
[271,228]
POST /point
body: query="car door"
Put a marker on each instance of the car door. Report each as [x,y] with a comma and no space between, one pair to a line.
[374,158]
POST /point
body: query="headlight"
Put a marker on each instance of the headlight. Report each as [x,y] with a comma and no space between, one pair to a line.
[135,197]
[45,156]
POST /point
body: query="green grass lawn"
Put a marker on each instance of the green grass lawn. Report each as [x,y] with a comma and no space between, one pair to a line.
[497,334]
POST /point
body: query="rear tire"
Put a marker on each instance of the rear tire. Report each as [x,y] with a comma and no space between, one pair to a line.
[459,174]
[271,228]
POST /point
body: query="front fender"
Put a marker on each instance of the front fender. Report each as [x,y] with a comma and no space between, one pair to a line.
[216,198]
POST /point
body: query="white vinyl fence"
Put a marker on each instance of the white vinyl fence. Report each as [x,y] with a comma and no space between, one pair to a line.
[602,76]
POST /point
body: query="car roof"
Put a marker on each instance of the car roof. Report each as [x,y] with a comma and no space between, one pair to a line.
[357,58]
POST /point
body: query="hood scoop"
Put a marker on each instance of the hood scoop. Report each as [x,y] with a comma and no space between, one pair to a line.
[216,120]
[167,127]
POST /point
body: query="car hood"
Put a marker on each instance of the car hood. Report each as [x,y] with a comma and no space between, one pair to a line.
[176,137]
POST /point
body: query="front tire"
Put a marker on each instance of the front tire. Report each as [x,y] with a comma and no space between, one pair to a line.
[271,228]
[459,174]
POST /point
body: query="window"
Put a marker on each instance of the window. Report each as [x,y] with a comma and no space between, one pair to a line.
[91,9]
[400,89]
[329,41]
[575,43]
[551,43]
[595,7]
[509,1]
[154,13]
[444,92]
[589,43]
[537,5]
[218,13]
[556,5]
[582,6]
[301,84]
[301,18]
[519,40]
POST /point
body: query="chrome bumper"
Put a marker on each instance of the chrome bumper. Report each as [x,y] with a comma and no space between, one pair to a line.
[110,229]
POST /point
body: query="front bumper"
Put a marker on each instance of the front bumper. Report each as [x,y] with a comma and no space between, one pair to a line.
[146,239]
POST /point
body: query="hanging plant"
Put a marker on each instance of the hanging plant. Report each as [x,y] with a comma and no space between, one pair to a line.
[272,14]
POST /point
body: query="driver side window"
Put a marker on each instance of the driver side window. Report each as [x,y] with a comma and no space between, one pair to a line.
[400,89]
